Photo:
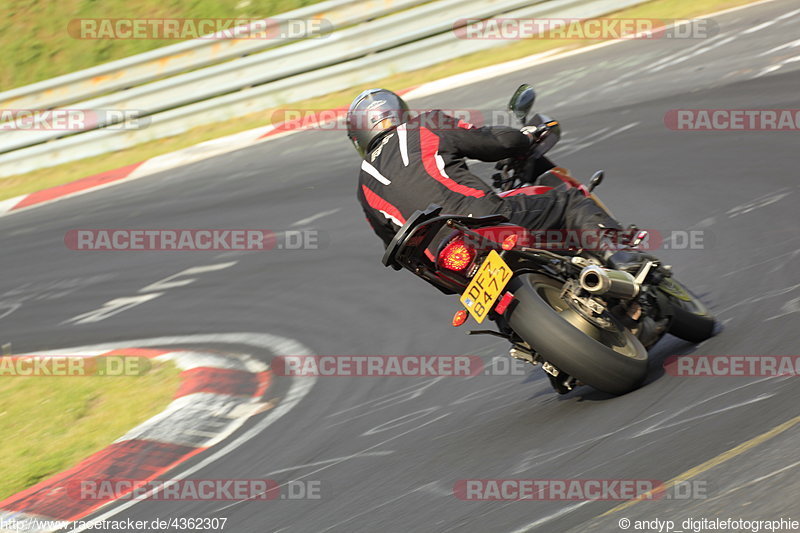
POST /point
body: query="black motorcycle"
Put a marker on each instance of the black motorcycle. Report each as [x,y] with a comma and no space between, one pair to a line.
[560,304]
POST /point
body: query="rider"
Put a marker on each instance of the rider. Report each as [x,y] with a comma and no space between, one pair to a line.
[411,162]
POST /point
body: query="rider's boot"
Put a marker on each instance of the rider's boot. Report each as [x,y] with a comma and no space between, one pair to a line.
[616,249]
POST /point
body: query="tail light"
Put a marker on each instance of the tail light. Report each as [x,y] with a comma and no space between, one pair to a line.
[510,242]
[456,256]
[460,317]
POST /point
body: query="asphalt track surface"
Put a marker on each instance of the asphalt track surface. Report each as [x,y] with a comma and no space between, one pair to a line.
[387,451]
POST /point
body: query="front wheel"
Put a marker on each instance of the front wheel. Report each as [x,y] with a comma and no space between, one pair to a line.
[610,359]
[691,320]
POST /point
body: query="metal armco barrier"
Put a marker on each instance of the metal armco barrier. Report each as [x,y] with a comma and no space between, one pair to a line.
[405,40]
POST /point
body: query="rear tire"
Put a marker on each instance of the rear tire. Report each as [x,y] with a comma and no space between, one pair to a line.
[610,361]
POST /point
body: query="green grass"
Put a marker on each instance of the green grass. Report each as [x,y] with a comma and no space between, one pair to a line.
[49,177]
[36,45]
[49,424]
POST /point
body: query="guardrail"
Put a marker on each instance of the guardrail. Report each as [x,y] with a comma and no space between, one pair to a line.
[184,56]
[289,60]
[297,71]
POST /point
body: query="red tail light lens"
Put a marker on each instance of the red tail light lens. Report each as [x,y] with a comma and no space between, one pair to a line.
[460,317]
[510,242]
[456,255]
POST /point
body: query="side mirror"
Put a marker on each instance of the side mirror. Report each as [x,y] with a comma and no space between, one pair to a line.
[596,179]
[522,101]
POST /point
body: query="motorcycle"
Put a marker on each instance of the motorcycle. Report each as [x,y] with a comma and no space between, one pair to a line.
[560,306]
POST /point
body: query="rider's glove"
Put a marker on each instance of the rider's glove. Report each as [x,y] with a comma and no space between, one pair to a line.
[533,132]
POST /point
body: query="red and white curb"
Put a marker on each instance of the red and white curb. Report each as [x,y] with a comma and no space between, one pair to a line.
[219,392]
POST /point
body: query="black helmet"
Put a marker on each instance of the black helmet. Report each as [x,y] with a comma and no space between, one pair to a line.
[373,113]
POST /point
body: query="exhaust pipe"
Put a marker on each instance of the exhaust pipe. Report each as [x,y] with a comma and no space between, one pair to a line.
[607,282]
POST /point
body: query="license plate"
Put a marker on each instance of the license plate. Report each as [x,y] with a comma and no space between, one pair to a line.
[486,286]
